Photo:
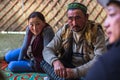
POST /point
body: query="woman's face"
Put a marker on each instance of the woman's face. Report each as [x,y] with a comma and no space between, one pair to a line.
[36,25]
[112,23]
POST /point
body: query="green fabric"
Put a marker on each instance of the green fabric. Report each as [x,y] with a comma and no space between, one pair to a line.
[77,6]
[10,41]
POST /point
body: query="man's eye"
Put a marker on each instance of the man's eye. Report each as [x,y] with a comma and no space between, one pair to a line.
[70,18]
[37,23]
[77,17]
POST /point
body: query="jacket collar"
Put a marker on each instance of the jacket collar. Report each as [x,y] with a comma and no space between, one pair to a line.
[115,44]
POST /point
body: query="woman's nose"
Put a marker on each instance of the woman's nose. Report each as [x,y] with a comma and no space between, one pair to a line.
[106,23]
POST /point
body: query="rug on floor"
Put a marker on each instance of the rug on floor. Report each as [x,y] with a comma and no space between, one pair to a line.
[19,76]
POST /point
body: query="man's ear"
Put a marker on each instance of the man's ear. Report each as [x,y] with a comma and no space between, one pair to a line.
[87,16]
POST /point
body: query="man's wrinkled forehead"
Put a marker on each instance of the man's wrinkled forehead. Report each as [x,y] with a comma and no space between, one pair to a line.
[75,13]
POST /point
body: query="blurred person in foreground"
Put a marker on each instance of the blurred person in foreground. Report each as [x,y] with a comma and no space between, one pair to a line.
[75,47]
[2,77]
[108,65]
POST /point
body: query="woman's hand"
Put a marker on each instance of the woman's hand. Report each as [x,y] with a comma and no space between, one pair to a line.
[59,68]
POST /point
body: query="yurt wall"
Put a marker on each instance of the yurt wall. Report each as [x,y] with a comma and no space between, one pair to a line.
[14,13]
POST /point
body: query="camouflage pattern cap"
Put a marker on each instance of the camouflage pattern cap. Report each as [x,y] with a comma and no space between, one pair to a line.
[76,5]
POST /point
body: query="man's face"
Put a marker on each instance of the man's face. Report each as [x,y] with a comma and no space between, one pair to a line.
[76,19]
[112,22]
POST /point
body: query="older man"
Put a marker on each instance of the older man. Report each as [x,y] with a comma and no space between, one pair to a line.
[75,46]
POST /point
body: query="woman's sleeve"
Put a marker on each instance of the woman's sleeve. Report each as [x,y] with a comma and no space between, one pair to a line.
[24,46]
[48,35]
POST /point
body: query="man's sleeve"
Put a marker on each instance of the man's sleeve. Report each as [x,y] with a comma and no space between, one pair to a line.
[96,72]
[50,51]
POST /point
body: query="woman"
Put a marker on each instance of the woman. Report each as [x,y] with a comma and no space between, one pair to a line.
[108,65]
[28,57]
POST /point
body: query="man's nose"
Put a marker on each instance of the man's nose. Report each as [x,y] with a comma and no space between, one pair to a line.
[74,22]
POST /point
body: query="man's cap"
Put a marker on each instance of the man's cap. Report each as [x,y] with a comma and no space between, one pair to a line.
[104,3]
[76,5]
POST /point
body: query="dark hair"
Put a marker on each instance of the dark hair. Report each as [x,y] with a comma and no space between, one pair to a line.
[114,2]
[37,14]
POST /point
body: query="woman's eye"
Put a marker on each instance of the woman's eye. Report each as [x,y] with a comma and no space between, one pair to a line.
[37,23]
[30,25]
[112,14]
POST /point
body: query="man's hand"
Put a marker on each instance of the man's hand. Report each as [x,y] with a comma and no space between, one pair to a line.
[70,73]
[59,69]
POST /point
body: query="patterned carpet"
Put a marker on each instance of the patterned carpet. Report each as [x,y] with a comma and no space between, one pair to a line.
[19,76]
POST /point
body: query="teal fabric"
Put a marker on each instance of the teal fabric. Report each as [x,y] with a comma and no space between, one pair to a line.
[20,76]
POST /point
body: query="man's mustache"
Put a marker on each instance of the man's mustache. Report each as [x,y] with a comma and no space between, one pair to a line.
[76,26]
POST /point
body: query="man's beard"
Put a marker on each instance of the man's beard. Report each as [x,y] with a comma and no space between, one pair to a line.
[77,28]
